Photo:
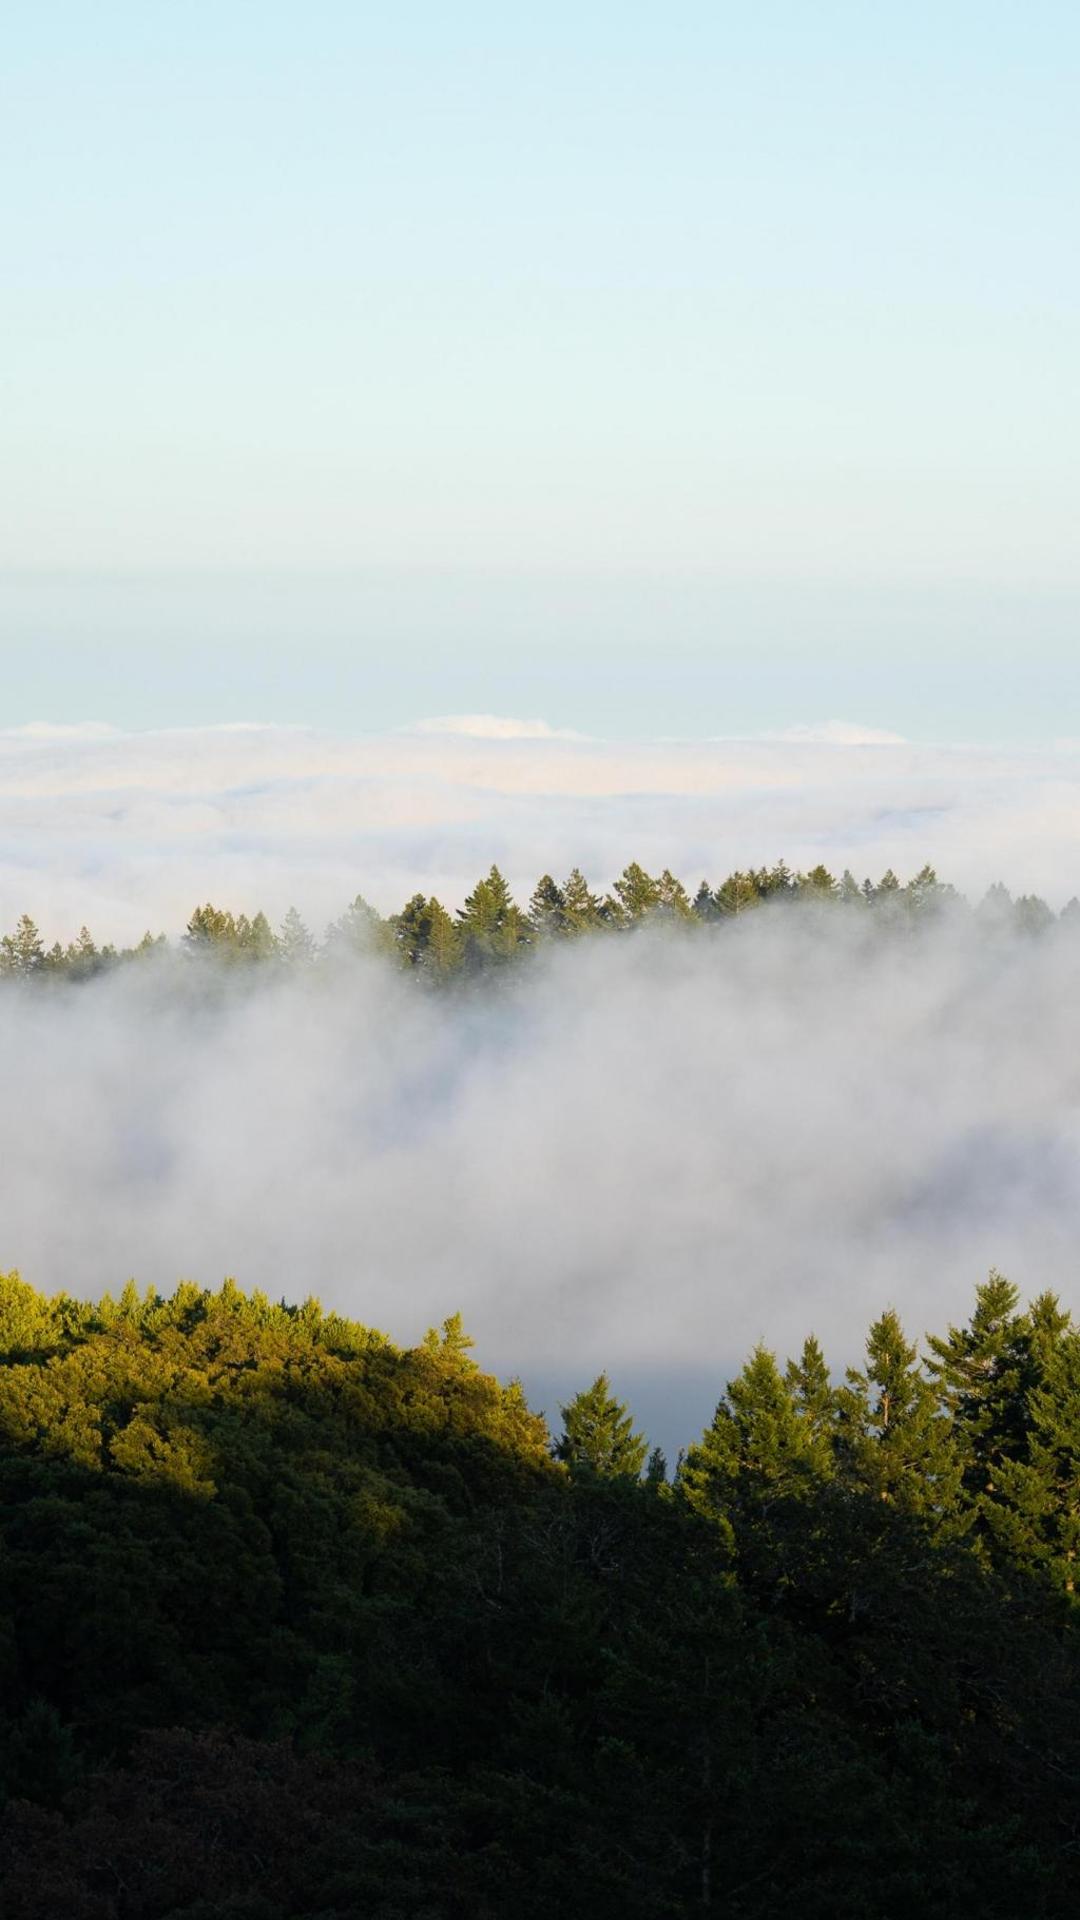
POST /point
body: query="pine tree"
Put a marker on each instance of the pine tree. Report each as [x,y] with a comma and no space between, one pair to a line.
[818,884]
[762,1444]
[893,1440]
[492,926]
[656,1474]
[582,908]
[598,1434]
[444,946]
[547,909]
[22,953]
[807,1379]
[359,930]
[294,943]
[983,1373]
[1033,1512]
[634,895]
[256,939]
[737,894]
[673,902]
[1031,915]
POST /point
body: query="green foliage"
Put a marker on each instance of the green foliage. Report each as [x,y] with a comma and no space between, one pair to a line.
[437,947]
[598,1434]
[294,1622]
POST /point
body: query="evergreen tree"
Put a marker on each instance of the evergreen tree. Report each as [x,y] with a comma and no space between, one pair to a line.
[547,909]
[762,1444]
[1031,915]
[814,1395]
[295,946]
[582,908]
[818,884]
[983,1373]
[598,1434]
[425,937]
[360,930]
[894,1442]
[1033,1508]
[255,938]
[634,895]
[673,901]
[492,927]
[213,933]
[22,953]
[737,894]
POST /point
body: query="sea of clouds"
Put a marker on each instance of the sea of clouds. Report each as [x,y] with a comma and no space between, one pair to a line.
[128,831]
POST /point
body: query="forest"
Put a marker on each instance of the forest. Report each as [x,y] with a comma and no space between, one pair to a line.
[491,928]
[295,1621]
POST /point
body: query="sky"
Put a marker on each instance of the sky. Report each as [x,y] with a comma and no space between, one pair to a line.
[432,435]
[705,369]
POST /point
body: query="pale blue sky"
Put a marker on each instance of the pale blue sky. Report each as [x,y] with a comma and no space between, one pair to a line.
[493,351]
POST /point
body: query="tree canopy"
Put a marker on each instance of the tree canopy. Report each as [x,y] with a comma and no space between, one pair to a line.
[297,1622]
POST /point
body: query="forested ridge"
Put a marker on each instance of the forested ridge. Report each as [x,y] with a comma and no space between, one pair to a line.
[491,928]
[297,1622]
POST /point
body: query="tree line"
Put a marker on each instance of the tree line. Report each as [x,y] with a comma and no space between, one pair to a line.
[492,929]
[294,1621]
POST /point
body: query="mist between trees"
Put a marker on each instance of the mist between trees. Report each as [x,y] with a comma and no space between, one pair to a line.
[645,1148]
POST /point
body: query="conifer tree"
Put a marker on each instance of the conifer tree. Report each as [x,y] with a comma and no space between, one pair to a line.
[737,894]
[547,909]
[492,926]
[598,1434]
[294,943]
[818,884]
[983,1373]
[807,1379]
[1033,1510]
[894,1442]
[673,901]
[634,895]
[582,908]
[761,1444]
[256,938]
[211,930]
[22,953]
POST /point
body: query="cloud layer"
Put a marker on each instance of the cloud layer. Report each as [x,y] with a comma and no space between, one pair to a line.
[124,831]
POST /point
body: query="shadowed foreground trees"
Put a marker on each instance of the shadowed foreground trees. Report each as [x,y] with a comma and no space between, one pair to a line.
[294,1622]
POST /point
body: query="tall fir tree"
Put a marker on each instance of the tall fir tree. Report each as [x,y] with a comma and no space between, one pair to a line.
[598,1434]
[893,1439]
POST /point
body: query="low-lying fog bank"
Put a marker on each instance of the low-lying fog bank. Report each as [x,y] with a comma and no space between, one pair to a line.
[641,1153]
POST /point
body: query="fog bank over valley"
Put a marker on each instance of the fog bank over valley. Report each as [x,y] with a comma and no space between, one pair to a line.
[640,1152]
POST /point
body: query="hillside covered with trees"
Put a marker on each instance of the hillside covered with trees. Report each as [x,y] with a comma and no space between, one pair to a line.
[492,929]
[296,1622]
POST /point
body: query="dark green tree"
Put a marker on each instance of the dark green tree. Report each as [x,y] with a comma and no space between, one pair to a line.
[491,925]
[547,909]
